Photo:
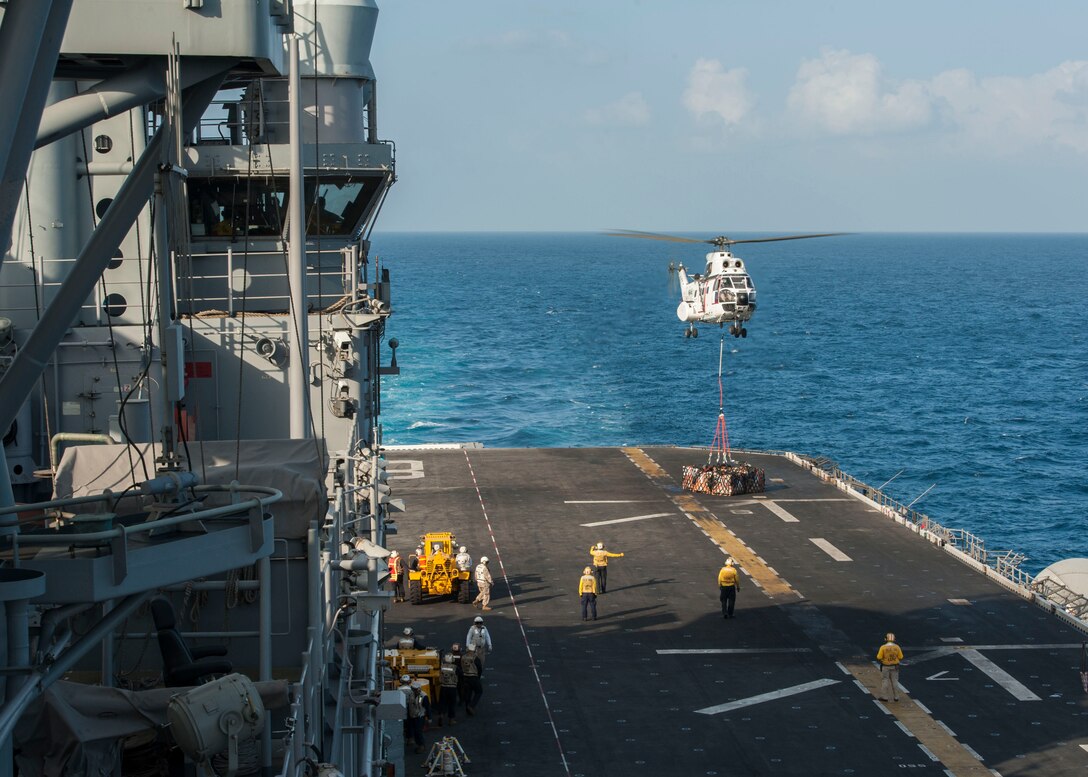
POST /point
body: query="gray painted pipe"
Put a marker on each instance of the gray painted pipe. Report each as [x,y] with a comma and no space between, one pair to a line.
[120,93]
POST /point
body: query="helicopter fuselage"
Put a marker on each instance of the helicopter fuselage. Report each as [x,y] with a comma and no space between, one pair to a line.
[724,293]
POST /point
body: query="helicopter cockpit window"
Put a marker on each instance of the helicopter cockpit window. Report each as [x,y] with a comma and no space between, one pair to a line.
[725,282]
[236,207]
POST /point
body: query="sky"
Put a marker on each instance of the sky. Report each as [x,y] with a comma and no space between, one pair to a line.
[717,115]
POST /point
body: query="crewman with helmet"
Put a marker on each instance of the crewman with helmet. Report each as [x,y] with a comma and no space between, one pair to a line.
[463,559]
[419,710]
[480,638]
[406,640]
[600,565]
[587,590]
[448,682]
[396,575]
[728,585]
[472,687]
[889,655]
[483,582]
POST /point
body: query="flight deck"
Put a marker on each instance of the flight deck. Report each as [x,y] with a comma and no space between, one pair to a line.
[661,684]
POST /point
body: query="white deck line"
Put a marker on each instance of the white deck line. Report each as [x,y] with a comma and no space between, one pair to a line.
[732,651]
[628,520]
[765,697]
[603,501]
[829,549]
[1019,691]
[781,512]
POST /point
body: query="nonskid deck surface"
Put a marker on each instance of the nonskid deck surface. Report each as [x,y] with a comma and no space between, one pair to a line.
[660,684]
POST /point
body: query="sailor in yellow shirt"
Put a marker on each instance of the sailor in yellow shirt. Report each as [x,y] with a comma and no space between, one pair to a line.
[889,657]
[600,565]
[587,590]
[728,585]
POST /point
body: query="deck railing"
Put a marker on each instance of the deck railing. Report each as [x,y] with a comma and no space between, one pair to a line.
[1005,563]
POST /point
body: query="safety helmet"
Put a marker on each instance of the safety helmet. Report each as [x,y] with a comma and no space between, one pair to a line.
[463,549]
[449,658]
[587,570]
[729,562]
[395,553]
[600,546]
[478,619]
[407,631]
[406,678]
[484,559]
[419,551]
[416,685]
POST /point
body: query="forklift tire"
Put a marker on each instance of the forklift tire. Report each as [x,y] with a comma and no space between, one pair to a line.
[415,592]
[464,592]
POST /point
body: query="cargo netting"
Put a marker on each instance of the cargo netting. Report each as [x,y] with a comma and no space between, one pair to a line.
[721,475]
[724,479]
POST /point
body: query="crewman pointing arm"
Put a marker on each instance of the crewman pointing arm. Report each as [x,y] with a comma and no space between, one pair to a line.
[600,565]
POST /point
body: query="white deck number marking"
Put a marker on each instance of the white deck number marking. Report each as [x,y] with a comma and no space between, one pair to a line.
[404,469]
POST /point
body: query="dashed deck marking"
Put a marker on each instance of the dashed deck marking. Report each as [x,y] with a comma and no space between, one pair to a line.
[627,520]
[829,549]
[958,759]
[730,544]
[765,697]
[781,512]
[517,614]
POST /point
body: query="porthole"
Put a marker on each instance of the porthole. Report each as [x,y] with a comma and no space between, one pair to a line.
[115,305]
[115,262]
[102,206]
[103,144]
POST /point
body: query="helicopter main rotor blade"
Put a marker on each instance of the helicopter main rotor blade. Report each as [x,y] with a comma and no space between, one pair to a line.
[787,237]
[655,236]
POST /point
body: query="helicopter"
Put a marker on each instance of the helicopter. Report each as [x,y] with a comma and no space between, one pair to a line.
[724,292]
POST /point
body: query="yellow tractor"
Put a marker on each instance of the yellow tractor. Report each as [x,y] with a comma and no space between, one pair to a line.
[434,572]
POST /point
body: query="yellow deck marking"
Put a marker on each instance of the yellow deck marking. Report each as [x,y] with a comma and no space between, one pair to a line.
[762,575]
[951,753]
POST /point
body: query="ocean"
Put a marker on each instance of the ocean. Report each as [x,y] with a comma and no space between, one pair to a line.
[956,360]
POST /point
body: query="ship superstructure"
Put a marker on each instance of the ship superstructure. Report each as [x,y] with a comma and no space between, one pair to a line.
[191,323]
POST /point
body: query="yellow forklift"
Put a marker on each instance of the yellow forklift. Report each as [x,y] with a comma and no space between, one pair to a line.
[434,572]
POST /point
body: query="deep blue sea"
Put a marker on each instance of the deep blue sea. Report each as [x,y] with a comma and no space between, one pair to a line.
[960,359]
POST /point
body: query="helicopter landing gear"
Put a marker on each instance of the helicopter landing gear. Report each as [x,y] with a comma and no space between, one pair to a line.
[691,331]
[737,330]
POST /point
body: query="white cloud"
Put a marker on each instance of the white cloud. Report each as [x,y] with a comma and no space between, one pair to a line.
[630,110]
[1006,113]
[713,90]
[846,94]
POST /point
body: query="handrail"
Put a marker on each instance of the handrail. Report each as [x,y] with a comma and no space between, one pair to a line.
[117,537]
